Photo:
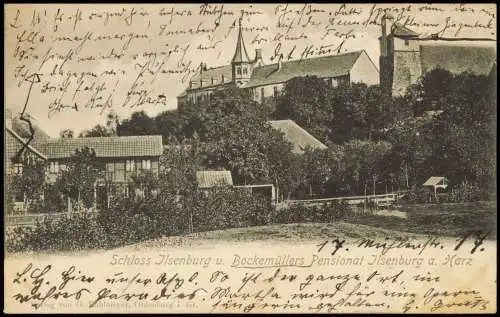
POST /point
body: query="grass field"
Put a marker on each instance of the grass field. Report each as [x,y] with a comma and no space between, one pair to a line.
[446,220]
[439,219]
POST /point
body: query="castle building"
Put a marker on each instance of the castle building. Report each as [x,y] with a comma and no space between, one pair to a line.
[406,55]
[266,81]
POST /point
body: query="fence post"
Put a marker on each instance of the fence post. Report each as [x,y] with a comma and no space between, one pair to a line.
[69,206]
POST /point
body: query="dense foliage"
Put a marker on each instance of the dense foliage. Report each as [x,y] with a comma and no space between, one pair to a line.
[443,126]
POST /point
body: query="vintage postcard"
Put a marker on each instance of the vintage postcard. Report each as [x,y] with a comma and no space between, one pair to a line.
[250,158]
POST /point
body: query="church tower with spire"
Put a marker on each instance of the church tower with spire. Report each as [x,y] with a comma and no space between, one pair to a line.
[241,64]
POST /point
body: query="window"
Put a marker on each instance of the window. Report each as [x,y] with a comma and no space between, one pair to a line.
[244,70]
[275,91]
[54,167]
[119,175]
[146,164]
[110,169]
[18,169]
[238,70]
[130,166]
[407,42]
[262,94]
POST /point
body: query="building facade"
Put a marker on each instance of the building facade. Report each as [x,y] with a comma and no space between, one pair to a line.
[266,81]
[406,55]
[120,157]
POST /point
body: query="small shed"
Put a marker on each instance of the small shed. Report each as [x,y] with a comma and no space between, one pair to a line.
[267,191]
[209,179]
[436,182]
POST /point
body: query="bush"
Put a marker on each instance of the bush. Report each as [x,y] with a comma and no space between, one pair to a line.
[419,195]
[131,220]
[223,208]
[467,193]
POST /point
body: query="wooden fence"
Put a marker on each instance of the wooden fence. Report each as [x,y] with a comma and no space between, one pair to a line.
[31,219]
[380,200]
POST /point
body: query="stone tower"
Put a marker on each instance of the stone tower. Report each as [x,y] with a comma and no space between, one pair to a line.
[242,66]
[400,64]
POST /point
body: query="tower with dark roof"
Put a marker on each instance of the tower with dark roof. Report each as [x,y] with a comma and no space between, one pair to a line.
[406,55]
[241,64]
[399,56]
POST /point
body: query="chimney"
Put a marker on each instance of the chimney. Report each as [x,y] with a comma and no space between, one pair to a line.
[387,23]
[258,54]
[8,118]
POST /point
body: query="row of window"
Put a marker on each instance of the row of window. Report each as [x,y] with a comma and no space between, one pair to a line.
[201,98]
[262,92]
[19,167]
[130,165]
[239,70]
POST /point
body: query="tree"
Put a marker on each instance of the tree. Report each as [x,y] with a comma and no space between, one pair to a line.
[96,131]
[80,176]
[30,182]
[464,133]
[238,137]
[67,133]
[177,177]
[351,121]
[365,163]
[308,102]
[112,123]
[171,125]
[138,124]
[451,132]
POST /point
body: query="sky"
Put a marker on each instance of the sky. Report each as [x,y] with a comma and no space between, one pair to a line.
[92,59]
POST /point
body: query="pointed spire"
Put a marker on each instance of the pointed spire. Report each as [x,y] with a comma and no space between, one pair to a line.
[240,55]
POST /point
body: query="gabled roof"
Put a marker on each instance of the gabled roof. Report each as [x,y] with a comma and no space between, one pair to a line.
[23,130]
[478,60]
[297,136]
[327,66]
[23,141]
[434,180]
[208,179]
[123,146]
[399,30]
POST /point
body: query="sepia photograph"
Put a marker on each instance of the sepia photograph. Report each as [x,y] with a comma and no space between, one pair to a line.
[250,158]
